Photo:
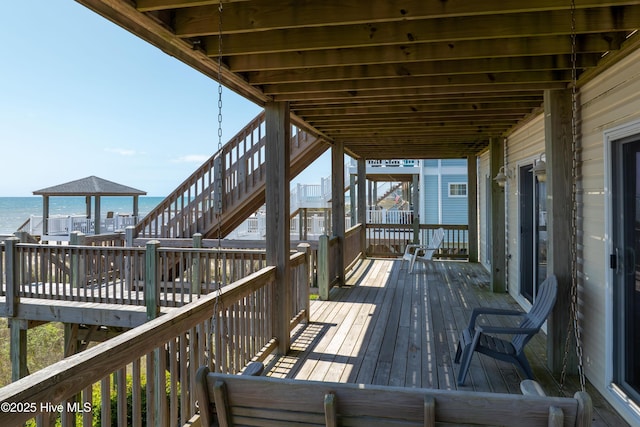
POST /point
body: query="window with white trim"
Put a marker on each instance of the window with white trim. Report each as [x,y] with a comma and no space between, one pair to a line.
[457,189]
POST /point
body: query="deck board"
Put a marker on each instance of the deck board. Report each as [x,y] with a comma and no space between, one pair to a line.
[390,327]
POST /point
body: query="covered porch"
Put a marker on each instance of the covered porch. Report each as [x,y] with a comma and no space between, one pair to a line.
[389,327]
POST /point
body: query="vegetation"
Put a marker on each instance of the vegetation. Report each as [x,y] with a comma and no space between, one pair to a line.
[45,346]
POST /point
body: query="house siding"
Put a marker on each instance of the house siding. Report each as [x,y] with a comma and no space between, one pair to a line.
[610,100]
[522,148]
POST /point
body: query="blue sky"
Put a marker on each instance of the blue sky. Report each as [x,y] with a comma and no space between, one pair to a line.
[79,96]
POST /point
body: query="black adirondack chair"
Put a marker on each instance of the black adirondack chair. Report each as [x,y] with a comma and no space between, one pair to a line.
[483,339]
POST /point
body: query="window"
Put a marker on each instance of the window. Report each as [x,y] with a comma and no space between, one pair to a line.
[457,189]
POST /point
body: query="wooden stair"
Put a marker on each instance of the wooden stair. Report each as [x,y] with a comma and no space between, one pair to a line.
[191,209]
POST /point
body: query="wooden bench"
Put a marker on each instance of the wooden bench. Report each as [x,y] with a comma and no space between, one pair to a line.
[263,401]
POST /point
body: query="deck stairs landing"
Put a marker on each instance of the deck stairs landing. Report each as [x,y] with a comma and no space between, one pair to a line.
[191,208]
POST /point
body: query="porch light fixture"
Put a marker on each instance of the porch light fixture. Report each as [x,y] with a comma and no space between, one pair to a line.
[502,176]
[540,169]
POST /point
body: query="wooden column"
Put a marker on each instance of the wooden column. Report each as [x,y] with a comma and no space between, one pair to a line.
[278,131]
[152,281]
[337,205]
[362,203]
[136,208]
[415,201]
[559,158]
[18,348]
[498,264]
[472,199]
[96,219]
[45,215]
[352,199]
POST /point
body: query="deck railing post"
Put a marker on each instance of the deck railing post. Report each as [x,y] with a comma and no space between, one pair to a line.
[323,267]
[304,281]
[76,238]
[195,265]
[152,282]
[12,268]
[129,232]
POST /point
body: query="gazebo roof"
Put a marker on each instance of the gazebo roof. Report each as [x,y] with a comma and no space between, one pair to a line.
[90,186]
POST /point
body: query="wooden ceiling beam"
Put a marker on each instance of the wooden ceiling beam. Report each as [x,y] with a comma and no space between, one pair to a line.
[416,99]
[381,119]
[154,5]
[412,108]
[425,68]
[381,94]
[428,129]
[496,79]
[548,23]
[408,127]
[420,52]
[261,15]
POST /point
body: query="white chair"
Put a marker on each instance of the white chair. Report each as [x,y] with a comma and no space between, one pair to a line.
[413,252]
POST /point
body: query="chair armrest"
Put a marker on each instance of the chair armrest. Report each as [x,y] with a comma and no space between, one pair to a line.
[505,330]
[493,311]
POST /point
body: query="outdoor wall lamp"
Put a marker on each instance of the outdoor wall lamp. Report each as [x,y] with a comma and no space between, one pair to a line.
[502,176]
[540,169]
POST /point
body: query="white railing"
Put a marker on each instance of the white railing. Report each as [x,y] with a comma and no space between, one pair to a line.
[384,216]
[63,225]
[255,227]
[307,196]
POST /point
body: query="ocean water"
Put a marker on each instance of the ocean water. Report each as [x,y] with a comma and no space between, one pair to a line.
[14,211]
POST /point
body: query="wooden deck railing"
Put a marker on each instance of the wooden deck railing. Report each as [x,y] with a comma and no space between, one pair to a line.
[147,374]
[119,275]
[390,240]
[328,268]
[218,192]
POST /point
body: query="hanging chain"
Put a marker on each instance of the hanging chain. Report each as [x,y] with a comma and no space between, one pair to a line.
[220,75]
[217,333]
[574,321]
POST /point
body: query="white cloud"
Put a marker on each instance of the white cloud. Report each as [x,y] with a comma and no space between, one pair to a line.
[121,151]
[192,158]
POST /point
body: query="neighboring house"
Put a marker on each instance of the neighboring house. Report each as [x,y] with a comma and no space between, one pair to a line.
[443,192]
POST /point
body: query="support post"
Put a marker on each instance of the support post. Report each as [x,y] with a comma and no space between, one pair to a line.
[362,204]
[277,155]
[152,282]
[18,348]
[304,281]
[352,199]
[12,265]
[337,205]
[472,208]
[323,267]
[195,265]
[415,202]
[76,238]
[498,259]
[45,215]
[71,346]
[559,159]
[96,220]
[128,242]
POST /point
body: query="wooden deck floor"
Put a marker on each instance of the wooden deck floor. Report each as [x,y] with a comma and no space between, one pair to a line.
[394,328]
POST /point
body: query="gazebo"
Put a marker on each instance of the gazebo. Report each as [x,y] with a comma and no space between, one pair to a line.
[89,187]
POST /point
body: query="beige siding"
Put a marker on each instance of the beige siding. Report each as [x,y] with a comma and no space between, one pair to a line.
[523,146]
[611,100]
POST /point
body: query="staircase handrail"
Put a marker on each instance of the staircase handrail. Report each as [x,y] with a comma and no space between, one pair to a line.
[189,208]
